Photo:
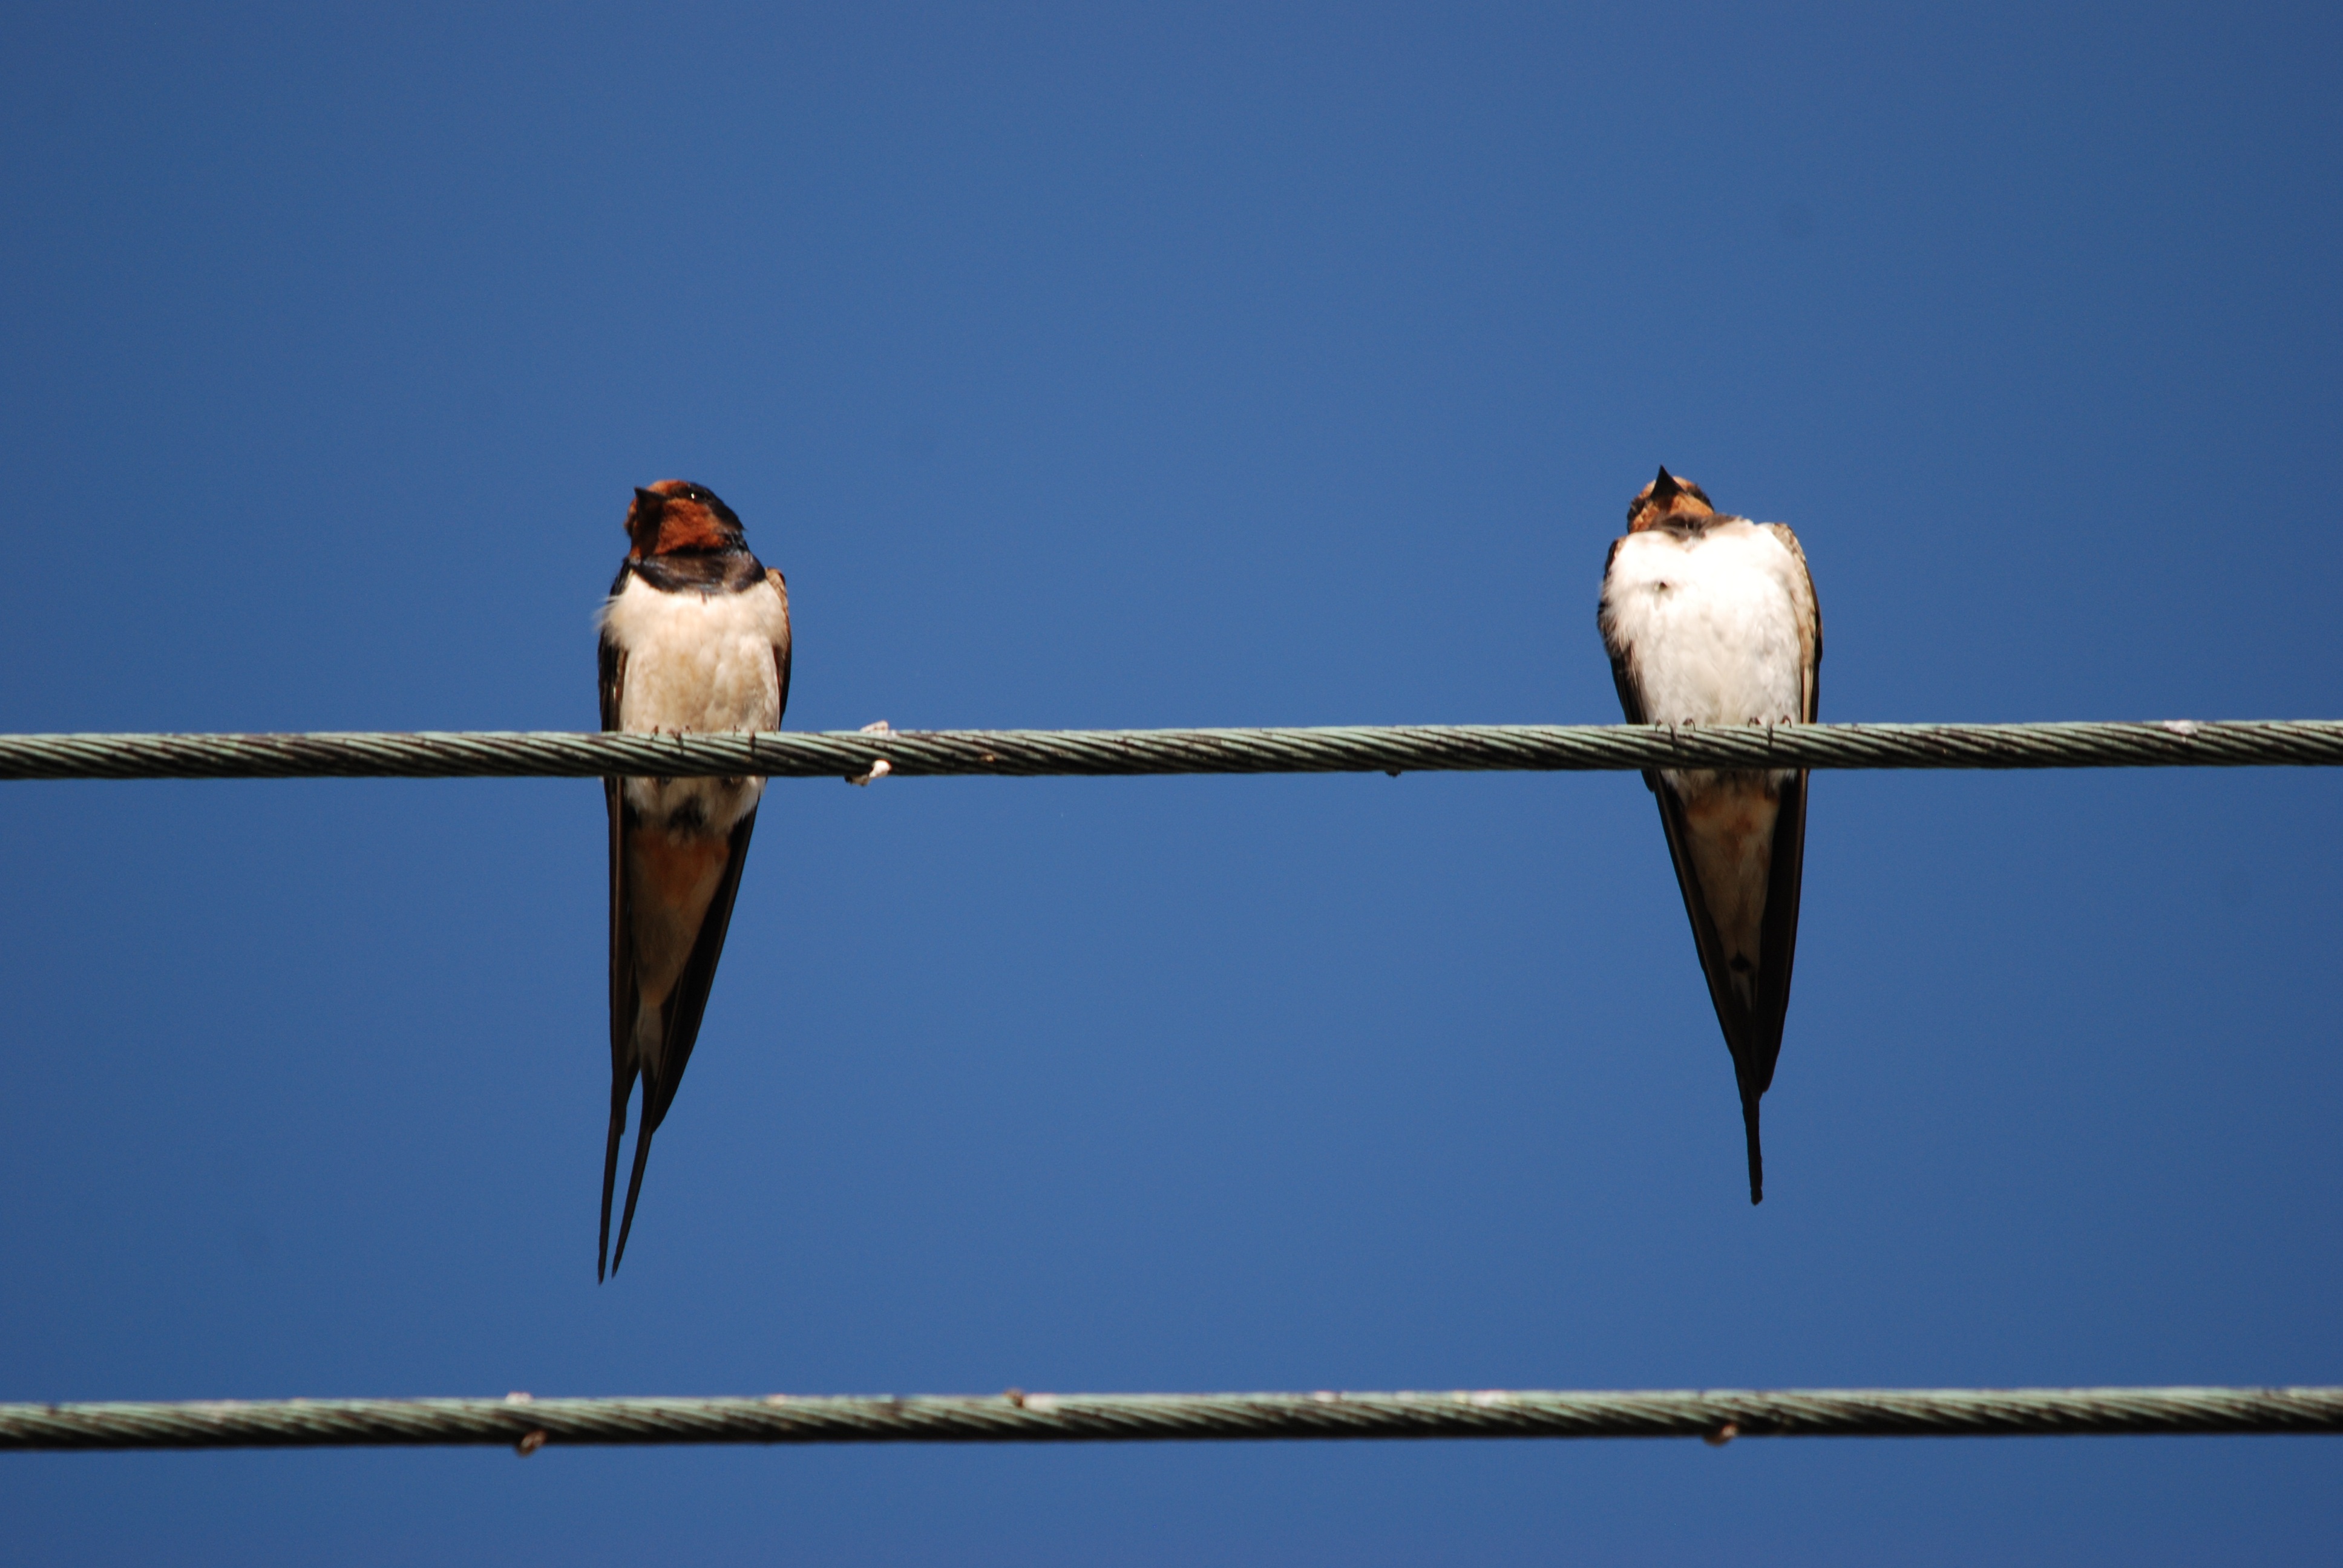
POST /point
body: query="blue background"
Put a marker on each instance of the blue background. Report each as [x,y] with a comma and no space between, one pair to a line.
[1089,366]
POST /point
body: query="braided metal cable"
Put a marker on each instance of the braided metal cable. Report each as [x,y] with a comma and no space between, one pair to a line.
[1014,1417]
[1393,749]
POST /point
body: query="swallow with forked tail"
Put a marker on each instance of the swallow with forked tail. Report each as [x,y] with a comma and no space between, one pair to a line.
[695,637]
[1711,619]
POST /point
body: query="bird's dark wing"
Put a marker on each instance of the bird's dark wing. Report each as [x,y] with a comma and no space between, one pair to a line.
[622,969]
[781,649]
[679,1019]
[688,1001]
[1752,1033]
[1779,943]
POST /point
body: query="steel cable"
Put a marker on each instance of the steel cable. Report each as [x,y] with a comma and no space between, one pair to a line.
[1393,749]
[1013,1417]
[1714,1414]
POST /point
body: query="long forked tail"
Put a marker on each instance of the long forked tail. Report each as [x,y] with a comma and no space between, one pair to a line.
[621,1086]
[1756,1154]
[643,1128]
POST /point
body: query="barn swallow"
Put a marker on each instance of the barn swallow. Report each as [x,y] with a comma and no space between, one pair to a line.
[1711,619]
[695,637]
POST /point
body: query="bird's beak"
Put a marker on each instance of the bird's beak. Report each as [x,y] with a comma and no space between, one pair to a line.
[642,518]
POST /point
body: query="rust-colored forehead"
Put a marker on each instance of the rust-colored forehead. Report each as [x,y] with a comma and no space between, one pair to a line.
[683,494]
[1683,485]
[1686,500]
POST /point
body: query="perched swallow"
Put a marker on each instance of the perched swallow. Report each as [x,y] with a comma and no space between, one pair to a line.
[1711,619]
[695,637]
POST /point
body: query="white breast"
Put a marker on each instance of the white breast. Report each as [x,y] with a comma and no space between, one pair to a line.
[698,662]
[1710,624]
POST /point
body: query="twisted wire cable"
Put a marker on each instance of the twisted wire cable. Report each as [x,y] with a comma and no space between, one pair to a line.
[1717,1416]
[1335,749]
[1014,1417]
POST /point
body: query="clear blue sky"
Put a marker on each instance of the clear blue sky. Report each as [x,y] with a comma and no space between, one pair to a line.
[1143,367]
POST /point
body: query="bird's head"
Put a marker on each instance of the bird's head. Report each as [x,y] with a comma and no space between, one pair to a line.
[674,516]
[1664,498]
